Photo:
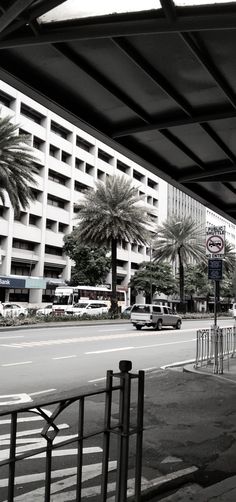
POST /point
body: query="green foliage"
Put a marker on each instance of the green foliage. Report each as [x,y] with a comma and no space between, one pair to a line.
[16,165]
[160,276]
[109,214]
[91,263]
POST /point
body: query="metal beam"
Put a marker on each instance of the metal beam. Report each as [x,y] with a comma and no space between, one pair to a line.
[209,173]
[12,12]
[208,129]
[196,46]
[126,25]
[175,121]
[31,14]
[179,144]
[169,9]
[99,78]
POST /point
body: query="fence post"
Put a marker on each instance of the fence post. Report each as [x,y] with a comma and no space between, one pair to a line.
[106,436]
[139,442]
[123,438]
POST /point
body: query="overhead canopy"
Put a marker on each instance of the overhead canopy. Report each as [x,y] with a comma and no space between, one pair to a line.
[155,79]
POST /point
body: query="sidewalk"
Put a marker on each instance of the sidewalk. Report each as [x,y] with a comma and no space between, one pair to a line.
[191,489]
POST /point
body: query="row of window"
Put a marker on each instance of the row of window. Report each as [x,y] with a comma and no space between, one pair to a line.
[32,246]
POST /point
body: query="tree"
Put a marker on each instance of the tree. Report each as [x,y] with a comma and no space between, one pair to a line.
[179,240]
[16,165]
[153,278]
[91,263]
[110,214]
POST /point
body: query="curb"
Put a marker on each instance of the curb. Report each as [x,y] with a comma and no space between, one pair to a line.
[62,324]
[164,484]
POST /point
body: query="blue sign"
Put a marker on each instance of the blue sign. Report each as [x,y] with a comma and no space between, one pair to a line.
[215,269]
[10,282]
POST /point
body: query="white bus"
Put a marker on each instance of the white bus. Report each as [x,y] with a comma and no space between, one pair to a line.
[70,295]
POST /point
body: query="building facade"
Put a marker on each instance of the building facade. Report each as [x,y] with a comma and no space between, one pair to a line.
[69,161]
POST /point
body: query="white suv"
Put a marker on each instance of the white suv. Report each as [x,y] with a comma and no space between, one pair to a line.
[90,308]
[155,316]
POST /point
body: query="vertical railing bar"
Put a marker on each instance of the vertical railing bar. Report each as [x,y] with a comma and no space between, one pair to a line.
[80,450]
[106,435]
[139,441]
[12,453]
[119,460]
[48,471]
[125,439]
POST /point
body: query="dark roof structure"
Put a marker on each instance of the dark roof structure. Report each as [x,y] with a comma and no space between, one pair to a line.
[158,85]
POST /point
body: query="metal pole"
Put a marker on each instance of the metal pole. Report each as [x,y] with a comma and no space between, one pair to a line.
[106,437]
[150,273]
[139,441]
[123,460]
[215,328]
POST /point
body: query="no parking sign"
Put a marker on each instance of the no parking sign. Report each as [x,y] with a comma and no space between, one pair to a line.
[215,242]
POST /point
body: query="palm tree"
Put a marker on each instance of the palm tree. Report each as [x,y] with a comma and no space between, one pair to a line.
[16,165]
[109,214]
[179,240]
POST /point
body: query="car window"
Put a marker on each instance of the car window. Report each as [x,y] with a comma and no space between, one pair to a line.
[156,309]
[166,310]
[141,309]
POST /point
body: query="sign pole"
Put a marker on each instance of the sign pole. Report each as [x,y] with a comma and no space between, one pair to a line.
[215,250]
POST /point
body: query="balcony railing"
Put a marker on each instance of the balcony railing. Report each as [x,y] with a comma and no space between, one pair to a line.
[120,420]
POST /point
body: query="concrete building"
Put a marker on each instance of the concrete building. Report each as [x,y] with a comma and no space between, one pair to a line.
[69,162]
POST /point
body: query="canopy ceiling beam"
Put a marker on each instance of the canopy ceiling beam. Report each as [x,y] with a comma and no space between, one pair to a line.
[169,9]
[209,173]
[12,12]
[208,129]
[146,23]
[196,46]
[175,122]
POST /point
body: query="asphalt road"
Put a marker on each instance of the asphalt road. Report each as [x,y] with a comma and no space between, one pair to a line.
[51,359]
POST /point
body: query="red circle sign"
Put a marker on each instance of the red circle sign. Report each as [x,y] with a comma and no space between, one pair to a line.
[215,244]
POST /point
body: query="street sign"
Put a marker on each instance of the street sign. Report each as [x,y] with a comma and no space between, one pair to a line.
[215,242]
[215,269]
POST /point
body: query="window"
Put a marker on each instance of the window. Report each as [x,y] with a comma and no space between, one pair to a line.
[19,216]
[36,193]
[104,156]
[100,175]
[50,223]
[152,184]
[80,187]
[21,268]
[21,244]
[53,250]
[54,151]
[138,176]
[6,99]
[65,157]
[122,167]
[141,309]
[31,114]
[89,169]
[62,227]
[134,266]
[56,201]
[79,164]
[38,143]
[52,272]
[57,178]
[59,130]
[157,309]
[84,144]
[34,220]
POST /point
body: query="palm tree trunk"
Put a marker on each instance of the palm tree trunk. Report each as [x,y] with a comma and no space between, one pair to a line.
[114,303]
[181,282]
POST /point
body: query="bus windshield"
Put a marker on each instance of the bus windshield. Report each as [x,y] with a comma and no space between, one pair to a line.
[62,300]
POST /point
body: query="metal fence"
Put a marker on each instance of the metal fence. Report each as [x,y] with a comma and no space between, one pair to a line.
[119,427]
[215,346]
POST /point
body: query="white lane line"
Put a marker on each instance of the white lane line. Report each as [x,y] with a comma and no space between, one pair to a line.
[97,380]
[139,347]
[16,364]
[63,357]
[41,392]
[11,336]
[109,350]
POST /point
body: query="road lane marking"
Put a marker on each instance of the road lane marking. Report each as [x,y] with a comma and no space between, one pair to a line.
[97,380]
[63,357]
[16,364]
[139,347]
[41,392]
[15,399]
[11,336]
[82,339]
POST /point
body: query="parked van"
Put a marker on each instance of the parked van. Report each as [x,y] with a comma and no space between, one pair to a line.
[155,316]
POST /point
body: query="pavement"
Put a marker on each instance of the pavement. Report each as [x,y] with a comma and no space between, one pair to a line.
[200,463]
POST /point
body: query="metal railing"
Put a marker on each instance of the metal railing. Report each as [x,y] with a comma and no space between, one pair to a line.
[127,421]
[215,346]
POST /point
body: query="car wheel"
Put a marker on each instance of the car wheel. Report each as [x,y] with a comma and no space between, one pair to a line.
[138,327]
[178,324]
[21,316]
[159,325]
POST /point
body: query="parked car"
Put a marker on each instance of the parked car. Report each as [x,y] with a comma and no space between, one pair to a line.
[126,312]
[84,309]
[155,316]
[12,310]
[47,310]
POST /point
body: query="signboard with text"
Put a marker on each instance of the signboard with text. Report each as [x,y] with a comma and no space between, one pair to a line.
[215,241]
[215,269]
